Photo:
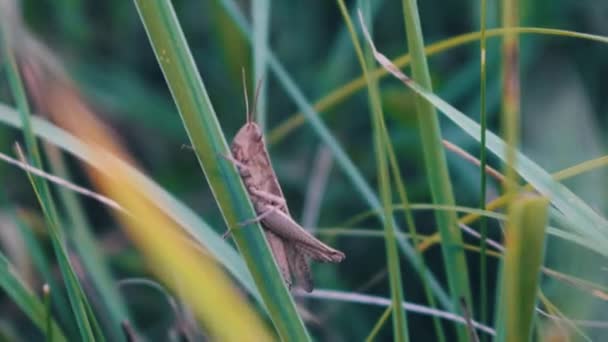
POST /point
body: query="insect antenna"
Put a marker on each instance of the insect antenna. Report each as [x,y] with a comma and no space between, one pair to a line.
[255,99]
[247,113]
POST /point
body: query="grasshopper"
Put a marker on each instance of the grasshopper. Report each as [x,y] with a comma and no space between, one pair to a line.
[290,243]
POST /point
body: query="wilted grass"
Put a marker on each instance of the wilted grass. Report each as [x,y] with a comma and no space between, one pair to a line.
[176,247]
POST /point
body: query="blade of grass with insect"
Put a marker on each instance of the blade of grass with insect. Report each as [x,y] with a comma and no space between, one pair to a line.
[525,245]
[436,166]
[209,143]
[347,90]
[81,233]
[326,136]
[87,325]
[400,327]
[26,300]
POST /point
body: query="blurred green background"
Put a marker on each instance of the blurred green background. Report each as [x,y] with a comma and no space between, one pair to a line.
[105,48]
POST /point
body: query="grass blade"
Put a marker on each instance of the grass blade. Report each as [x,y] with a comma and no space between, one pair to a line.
[260,12]
[81,233]
[400,328]
[436,165]
[209,143]
[483,227]
[524,242]
[87,324]
[26,300]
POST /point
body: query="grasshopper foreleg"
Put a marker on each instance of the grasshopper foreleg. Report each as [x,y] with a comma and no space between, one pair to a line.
[234,161]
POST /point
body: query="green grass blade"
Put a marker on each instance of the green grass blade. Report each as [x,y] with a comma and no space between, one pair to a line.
[400,328]
[25,299]
[260,12]
[48,324]
[483,227]
[525,240]
[342,159]
[88,327]
[81,233]
[209,143]
[379,324]
[41,263]
[436,166]
[75,293]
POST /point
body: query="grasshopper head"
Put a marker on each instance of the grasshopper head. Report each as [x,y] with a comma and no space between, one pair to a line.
[247,141]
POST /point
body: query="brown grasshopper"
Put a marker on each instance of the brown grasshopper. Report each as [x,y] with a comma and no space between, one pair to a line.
[289,242]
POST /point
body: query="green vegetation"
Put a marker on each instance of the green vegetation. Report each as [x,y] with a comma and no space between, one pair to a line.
[429,237]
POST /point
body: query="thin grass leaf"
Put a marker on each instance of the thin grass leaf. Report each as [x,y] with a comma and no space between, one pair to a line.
[87,248]
[209,143]
[379,324]
[400,328]
[524,242]
[87,324]
[384,302]
[26,300]
[46,299]
[436,166]
[260,12]
[41,263]
[483,227]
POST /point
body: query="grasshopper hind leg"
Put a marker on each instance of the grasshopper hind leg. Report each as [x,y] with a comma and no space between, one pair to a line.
[299,268]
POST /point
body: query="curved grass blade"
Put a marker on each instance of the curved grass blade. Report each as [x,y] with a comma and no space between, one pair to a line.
[347,90]
[81,233]
[87,324]
[207,138]
[579,216]
[400,327]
